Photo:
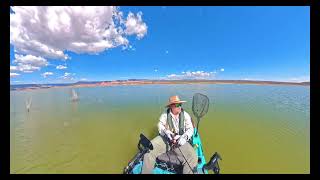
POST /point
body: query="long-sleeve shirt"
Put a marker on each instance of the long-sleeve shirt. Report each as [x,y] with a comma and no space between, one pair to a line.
[188,127]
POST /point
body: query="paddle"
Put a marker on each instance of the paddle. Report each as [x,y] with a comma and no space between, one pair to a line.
[200,106]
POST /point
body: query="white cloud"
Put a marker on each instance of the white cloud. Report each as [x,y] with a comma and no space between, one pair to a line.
[61,67]
[222,69]
[192,75]
[281,79]
[14,68]
[47,74]
[27,68]
[130,47]
[30,60]
[172,76]
[28,63]
[135,25]
[257,79]
[299,79]
[14,74]
[68,76]
[50,31]
[156,70]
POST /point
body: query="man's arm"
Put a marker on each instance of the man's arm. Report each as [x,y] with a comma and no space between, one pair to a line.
[189,126]
[162,124]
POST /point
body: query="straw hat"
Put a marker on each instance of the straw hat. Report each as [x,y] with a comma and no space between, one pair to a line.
[174,100]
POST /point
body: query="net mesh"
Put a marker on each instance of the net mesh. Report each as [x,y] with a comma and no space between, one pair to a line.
[200,105]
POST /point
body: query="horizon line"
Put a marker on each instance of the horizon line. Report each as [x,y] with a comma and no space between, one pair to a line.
[136,79]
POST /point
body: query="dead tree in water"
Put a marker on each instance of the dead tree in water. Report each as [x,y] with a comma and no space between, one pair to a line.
[75,96]
[28,104]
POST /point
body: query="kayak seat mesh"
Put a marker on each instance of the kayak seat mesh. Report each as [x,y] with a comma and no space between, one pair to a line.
[171,159]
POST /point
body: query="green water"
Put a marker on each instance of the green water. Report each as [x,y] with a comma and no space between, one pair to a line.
[255,128]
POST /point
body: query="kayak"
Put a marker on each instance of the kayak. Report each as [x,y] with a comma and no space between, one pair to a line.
[197,145]
[169,165]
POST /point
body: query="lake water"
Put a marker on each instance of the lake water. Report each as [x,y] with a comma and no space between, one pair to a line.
[255,128]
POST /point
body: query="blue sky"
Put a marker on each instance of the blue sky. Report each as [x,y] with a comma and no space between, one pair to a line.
[245,43]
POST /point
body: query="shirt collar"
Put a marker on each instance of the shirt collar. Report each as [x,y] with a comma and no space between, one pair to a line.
[174,115]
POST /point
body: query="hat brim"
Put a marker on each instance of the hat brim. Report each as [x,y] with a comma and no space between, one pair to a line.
[176,102]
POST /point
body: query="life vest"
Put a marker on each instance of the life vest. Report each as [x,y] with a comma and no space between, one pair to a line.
[181,121]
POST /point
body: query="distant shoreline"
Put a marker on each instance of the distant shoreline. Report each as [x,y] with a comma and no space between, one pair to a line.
[24,87]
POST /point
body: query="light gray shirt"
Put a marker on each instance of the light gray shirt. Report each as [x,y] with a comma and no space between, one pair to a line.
[163,126]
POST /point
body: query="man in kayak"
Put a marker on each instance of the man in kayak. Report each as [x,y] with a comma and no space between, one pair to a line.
[175,127]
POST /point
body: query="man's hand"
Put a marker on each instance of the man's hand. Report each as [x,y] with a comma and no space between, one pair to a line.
[175,138]
[182,140]
[169,134]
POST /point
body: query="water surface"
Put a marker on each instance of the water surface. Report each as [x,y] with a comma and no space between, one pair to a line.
[256,128]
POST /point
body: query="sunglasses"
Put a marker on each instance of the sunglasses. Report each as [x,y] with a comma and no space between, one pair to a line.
[177,105]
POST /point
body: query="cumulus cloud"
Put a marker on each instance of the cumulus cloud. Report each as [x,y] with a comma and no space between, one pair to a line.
[48,32]
[61,67]
[27,68]
[135,25]
[14,74]
[47,74]
[28,63]
[30,60]
[192,75]
[68,76]
[13,68]
[171,76]
[222,69]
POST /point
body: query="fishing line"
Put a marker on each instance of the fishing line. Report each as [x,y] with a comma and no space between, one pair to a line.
[185,160]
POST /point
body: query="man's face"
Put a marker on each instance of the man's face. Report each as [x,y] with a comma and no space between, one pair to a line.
[175,108]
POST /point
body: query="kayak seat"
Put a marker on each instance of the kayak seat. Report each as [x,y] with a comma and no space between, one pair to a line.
[171,159]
